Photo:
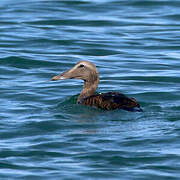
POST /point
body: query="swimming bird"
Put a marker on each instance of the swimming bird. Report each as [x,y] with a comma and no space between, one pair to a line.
[88,72]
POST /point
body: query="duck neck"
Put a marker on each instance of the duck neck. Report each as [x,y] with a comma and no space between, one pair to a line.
[89,89]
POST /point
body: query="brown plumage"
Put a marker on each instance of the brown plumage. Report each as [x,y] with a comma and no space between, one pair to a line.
[111,101]
[87,71]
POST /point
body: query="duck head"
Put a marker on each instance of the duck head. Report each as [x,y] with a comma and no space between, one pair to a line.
[84,70]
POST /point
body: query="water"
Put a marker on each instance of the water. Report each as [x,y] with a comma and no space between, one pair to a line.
[44,134]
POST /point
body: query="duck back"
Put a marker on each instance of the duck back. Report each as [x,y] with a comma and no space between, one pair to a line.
[111,101]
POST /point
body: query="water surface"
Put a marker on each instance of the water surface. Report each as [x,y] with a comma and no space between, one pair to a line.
[45,134]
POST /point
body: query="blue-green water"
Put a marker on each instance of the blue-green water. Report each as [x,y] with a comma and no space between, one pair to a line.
[136,47]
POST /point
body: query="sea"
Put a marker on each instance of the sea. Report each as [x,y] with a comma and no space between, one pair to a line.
[45,134]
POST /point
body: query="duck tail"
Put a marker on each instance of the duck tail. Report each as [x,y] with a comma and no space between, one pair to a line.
[137,108]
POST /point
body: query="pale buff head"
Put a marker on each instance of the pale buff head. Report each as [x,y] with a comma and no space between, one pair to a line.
[84,70]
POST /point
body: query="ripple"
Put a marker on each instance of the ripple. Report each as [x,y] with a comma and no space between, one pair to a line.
[45,134]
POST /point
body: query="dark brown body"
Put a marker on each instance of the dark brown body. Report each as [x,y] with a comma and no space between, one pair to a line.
[111,101]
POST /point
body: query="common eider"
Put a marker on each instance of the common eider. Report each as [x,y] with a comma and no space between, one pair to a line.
[87,71]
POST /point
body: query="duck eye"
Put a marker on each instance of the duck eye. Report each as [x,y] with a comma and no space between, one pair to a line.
[81,65]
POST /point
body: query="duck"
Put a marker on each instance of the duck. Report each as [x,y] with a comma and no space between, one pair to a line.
[88,72]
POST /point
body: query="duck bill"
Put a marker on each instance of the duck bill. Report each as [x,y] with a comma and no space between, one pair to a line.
[64,75]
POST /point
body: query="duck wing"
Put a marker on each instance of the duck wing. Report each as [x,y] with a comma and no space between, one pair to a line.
[111,101]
